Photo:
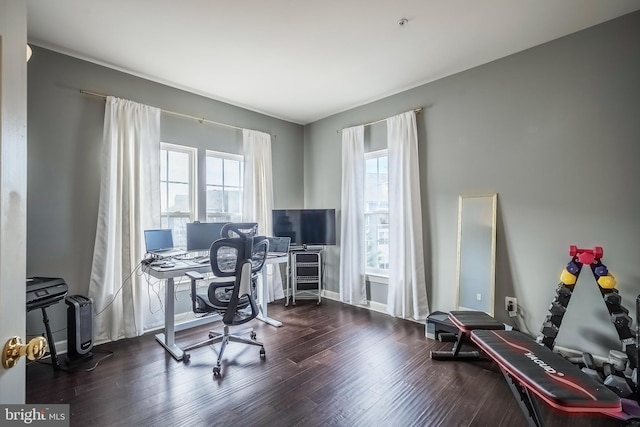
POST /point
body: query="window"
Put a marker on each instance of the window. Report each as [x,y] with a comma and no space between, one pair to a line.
[224,187]
[376,212]
[177,190]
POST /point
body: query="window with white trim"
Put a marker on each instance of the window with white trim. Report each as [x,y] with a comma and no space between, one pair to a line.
[224,187]
[376,212]
[177,190]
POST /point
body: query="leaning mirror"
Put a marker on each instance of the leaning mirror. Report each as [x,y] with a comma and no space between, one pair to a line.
[476,252]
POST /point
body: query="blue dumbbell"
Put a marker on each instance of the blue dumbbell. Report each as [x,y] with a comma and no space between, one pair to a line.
[601,270]
[572,267]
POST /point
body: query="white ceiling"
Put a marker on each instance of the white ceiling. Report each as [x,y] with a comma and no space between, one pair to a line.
[303,60]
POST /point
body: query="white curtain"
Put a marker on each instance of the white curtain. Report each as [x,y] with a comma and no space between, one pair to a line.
[257,202]
[352,258]
[129,204]
[407,292]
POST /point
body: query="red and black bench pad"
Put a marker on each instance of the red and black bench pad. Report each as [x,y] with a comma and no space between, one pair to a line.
[548,375]
[466,321]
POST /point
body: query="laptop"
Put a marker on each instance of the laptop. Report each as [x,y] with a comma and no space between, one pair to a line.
[278,246]
[160,243]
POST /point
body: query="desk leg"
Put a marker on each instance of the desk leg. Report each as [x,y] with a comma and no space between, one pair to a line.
[167,339]
[262,300]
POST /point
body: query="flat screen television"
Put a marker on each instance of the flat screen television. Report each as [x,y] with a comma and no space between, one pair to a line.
[306,227]
[200,235]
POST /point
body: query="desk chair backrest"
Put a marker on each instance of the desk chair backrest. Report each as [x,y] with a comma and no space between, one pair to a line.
[242,258]
[227,254]
[237,229]
[241,294]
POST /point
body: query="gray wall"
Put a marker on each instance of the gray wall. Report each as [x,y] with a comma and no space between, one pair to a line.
[64,141]
[553,130]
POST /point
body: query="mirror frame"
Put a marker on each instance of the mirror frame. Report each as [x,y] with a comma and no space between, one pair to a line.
[493,198]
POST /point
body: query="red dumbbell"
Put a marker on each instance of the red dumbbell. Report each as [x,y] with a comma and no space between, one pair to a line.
[586,256]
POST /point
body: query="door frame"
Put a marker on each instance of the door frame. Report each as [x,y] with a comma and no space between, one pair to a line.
[13,190]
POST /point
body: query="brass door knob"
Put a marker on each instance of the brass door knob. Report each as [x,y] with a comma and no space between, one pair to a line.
[14,349]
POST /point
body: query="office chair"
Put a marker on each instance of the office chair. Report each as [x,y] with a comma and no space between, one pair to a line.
[236,229]
[234,297]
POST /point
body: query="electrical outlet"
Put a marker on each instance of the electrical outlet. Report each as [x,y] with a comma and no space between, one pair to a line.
[510,304]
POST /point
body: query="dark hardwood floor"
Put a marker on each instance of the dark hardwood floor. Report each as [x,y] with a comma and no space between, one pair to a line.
[329,365]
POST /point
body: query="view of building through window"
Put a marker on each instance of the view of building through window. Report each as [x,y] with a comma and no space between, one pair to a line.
[224,187]
[376,212]
[178,188]
[177,192]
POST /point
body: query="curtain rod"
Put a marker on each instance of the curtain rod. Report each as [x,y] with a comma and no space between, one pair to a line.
[186,116]
[415,110]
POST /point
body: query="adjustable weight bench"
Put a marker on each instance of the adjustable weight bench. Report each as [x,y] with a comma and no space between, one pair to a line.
[466,321]
[533,370]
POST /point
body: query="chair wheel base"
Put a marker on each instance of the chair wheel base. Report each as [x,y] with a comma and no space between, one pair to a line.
[186,357]
[216,370]
[263,354]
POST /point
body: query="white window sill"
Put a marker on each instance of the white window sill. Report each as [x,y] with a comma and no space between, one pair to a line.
[377,278]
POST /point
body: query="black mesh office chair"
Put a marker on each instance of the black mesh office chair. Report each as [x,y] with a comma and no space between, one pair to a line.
[237,229]
[235,262]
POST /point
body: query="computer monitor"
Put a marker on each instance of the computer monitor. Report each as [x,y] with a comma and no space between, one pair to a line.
[158,240]
[200,235]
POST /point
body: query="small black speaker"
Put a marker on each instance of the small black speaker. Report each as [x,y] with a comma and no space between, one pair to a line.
[79,327]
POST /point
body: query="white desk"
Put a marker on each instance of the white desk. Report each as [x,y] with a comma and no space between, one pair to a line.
[167,339]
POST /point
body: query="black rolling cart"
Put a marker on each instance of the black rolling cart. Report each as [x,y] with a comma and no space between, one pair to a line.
[306,274]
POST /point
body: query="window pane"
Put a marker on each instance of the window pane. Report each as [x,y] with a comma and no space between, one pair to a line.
[224,188]
[383,196]
[214,171]
[383,165]
[163,196]
[214,199]
[377,241]
[231,173]
[178,226]
[178,167]
[178,197]
[371,166]
[370,194]
[371,184]
[234,200]
[176,190]
[376,213]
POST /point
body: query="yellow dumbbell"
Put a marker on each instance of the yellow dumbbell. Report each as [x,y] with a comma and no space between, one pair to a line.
[568,278]
[607,282]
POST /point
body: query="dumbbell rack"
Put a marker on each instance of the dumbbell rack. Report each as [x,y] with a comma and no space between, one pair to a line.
[606,283]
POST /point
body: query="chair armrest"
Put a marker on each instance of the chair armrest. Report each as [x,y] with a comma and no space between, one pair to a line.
[194,275]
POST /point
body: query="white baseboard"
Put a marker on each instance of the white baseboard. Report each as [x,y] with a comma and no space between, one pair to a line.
[370,305]
[378,307]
